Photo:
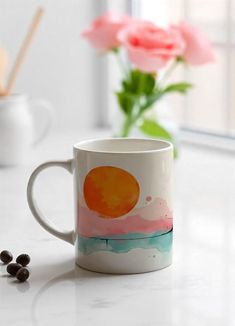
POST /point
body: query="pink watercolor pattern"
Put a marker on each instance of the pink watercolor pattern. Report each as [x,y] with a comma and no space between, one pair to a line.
[154,217]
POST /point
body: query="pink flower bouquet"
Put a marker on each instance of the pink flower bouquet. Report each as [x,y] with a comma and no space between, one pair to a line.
[149,49]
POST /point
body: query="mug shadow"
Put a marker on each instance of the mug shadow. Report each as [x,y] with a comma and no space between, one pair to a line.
[48,271]
[72,274]
[45,272]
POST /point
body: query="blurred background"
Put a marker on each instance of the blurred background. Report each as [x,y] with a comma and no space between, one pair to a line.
[64,69]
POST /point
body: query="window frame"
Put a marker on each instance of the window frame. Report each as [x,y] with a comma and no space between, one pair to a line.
[196,135]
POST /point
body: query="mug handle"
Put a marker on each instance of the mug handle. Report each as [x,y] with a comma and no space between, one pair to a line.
[68,236]
[47,108]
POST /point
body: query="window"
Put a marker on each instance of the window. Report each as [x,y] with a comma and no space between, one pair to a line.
[210,105]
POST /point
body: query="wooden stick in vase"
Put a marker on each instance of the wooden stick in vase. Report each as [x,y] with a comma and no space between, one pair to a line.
[23,50]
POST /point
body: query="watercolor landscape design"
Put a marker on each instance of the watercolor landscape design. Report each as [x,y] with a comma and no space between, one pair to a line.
[110,219]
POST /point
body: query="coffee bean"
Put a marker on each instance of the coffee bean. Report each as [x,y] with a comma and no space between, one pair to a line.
[6,256]
[23,259]
[13,268]
[23,274]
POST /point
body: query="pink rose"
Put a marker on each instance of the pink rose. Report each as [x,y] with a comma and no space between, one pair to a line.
[198,49]
[103,32]
[149,47]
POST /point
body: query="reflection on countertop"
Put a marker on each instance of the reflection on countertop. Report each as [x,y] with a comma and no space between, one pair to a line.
[198,289]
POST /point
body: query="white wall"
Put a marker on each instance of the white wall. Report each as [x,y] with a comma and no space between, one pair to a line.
[60,65]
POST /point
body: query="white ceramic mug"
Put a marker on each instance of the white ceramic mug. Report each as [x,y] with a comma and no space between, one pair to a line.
[123,204]
[17,128]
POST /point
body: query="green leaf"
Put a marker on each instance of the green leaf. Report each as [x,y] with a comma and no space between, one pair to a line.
[153,129]
[126,101]
[178,87]
[139,83]
[149,84]
[135,80]
[126,85]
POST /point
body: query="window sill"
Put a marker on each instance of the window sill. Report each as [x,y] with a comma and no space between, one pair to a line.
[199,138]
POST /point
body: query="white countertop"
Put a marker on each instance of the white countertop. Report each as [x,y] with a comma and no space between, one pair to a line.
[197,290]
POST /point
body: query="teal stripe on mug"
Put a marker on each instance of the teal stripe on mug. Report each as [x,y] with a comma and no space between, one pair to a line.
[161,242]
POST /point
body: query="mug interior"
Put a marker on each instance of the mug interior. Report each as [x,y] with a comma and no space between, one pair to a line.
[124,145]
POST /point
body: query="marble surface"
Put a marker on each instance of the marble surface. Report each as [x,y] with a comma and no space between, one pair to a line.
[198,289]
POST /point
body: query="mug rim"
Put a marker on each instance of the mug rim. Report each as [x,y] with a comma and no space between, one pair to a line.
[81,146]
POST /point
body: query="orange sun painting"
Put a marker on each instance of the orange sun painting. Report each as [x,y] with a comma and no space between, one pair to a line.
[110,191]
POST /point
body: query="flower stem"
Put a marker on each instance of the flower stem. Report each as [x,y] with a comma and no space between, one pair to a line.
[121,63]
[126,128]
[169,71]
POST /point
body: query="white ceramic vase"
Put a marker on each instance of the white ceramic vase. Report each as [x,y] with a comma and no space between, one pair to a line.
[17,127]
